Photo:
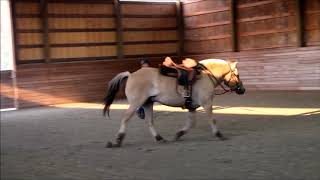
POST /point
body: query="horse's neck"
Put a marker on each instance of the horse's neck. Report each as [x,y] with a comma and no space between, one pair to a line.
[212,79]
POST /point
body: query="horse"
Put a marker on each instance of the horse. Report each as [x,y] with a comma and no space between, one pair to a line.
[147,85]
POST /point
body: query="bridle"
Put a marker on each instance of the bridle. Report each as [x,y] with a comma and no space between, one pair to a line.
[213,78]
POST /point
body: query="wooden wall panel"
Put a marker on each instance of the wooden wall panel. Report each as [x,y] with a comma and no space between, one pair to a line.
[207,46]
[82,52]
[207,20]
[7,97]
[80,23]
[276,69]
[129,36]
[80,8]
[149,22]
[149,33]
[86,31]
[205,7]
[30,39]
[81,37]
[207,26]
[312,22]
[267,33]
[26,54]
[266,24]
[27,8]
[68,31]
[142,49]
[28,23]
[148,9]
[46,84]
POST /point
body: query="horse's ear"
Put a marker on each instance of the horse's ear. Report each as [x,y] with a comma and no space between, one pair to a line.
[233,65]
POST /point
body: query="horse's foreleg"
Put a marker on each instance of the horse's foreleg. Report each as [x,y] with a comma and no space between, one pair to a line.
[121,133]
[190,122]
[148,109]
[213,123]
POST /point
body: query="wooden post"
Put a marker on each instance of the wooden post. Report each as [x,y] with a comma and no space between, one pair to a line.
[118,23]
[45,30]
[14,28]
[180,29]
[233,23]
[300,23]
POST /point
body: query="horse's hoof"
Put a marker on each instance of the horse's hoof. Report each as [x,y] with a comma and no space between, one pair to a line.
[109,145]
[220,136]
[223,138]
[179,134]
[163,141]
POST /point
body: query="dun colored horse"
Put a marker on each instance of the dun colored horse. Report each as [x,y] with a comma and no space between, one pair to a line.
[147,85]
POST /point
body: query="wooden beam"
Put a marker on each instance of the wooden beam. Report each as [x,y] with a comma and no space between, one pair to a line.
[233,20]
[118,23]
[45,34]
[300,23]
[180,29]
[14,28]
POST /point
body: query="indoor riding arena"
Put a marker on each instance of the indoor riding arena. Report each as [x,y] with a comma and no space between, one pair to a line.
[58,56]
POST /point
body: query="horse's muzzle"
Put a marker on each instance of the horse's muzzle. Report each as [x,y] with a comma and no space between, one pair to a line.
[240,90]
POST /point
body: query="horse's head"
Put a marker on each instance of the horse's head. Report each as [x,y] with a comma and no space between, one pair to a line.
[232,79]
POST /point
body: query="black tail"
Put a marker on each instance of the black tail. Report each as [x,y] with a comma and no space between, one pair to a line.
[113,88]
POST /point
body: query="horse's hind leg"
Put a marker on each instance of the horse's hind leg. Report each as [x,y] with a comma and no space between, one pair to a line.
[148,109]
[213,123]
[121,133]
[190,122]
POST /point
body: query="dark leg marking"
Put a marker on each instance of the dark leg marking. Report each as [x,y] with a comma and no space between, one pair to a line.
[179,134]
[220,136]
[118,141]
[160,138]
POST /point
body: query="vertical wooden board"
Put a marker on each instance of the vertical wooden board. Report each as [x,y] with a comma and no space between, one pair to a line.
[28,23]
[312,5]
[27,7]
[149,22]
[29,38]
[312,21]
[25,54]
[312,37]
[142,49]
[79,8]
[81,37]
[312,29]
[148,9]
[130,36]
[81,23]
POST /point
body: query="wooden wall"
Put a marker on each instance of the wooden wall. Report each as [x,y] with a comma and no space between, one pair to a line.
[69,30]
[7,98]
[276,41]
[54,83]
[67,50]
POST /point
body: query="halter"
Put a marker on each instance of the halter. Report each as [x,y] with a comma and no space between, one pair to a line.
[213,78]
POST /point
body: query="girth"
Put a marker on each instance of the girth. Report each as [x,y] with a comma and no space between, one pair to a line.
[185,77]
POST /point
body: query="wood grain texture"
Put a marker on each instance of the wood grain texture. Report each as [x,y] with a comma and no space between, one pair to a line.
[276,69]
[6,90]
[45,84]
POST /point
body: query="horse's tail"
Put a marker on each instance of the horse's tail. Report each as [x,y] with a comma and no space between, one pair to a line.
[113,88]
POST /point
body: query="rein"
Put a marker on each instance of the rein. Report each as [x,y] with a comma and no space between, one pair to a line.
[213,78]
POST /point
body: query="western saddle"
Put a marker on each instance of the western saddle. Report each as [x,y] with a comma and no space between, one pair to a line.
[186,75]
